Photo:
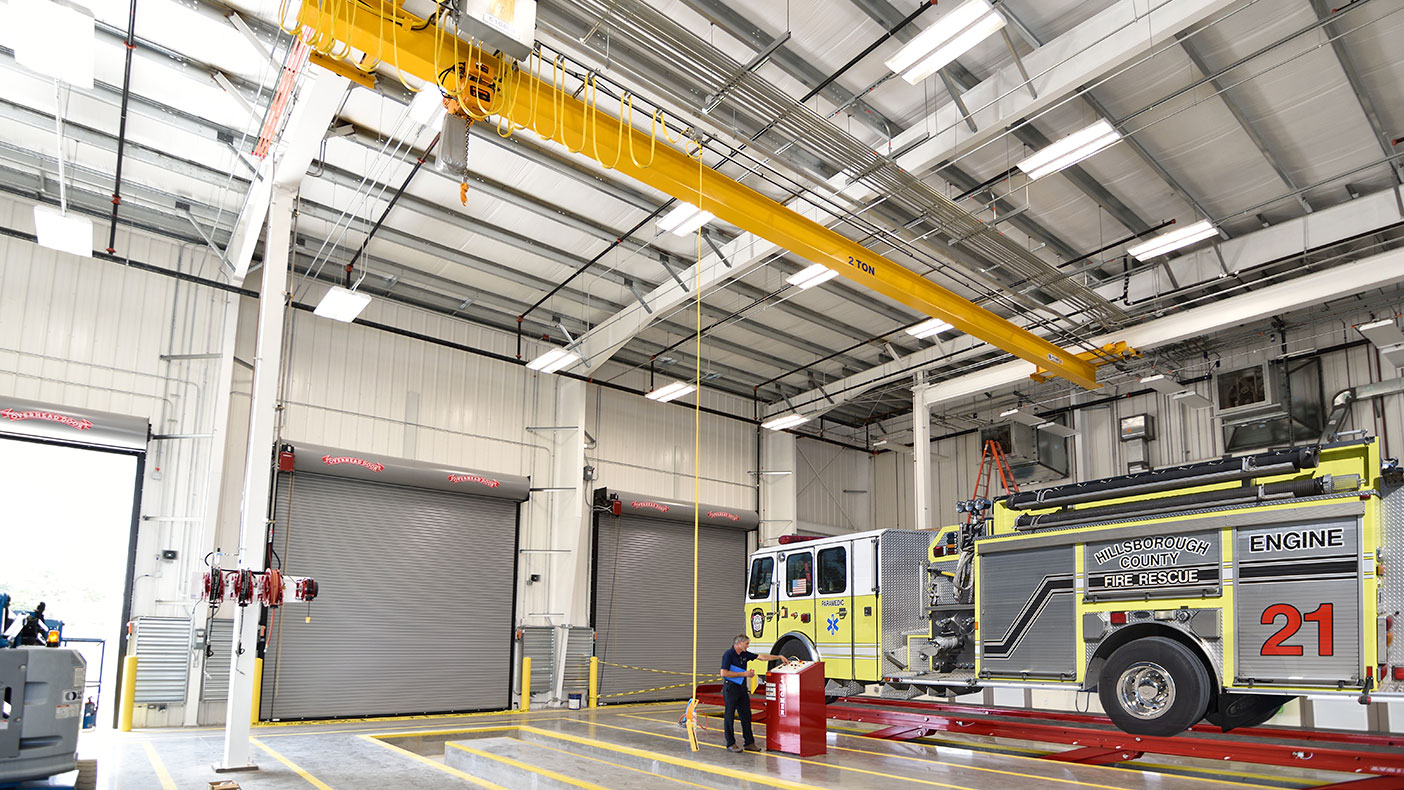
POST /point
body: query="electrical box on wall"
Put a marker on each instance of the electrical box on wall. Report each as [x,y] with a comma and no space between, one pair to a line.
[1137,427]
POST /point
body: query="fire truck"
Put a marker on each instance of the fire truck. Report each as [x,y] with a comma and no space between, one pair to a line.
[1216,590]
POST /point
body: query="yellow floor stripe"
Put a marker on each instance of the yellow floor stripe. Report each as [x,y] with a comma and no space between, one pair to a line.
[840,767]
[625,767]
[312,780]
[161,773]
[448,769]
[546,772]
[973,746]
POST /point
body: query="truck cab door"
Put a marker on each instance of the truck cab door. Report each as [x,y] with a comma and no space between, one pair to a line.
[762,588]
[867,635]
[834,609]
[797,593]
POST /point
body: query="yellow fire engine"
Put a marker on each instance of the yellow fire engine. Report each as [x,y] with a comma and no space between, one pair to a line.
[1215,590]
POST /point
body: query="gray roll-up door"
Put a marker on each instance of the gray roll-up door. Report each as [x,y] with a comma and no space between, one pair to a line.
[414,610]
[643,602]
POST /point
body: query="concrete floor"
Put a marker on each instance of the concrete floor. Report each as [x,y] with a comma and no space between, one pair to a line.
[618,747]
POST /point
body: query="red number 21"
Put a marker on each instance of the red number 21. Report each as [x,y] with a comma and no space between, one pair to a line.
[1325,633]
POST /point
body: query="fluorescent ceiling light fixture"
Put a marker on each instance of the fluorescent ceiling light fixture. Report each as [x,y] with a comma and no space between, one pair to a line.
[784,421]
[671,392]
[64,232]
[1070,150]
[427,106]
[812,276]
[1388,340]
[1174,240]
[926,329]
[1191,399]
[1057,429]
[55,39]
[952,36]
[552,361]
[341,304]
[1162,383]
[1027,418]
[684,219]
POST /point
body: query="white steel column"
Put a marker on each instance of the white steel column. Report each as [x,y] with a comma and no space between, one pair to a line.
[253,507]
[214,478]
[779,504]
[921,459]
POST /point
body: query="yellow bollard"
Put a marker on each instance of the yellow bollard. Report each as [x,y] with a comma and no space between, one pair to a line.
[257,691]
[525,704]
[128,701]
[594,682]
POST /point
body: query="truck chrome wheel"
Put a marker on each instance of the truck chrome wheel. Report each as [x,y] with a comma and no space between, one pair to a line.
[1154,685]
[1145,690]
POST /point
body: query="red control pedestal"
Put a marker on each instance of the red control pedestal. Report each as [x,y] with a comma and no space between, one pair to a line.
[796,720]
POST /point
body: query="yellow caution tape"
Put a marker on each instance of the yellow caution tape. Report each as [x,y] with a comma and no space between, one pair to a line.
[659,671]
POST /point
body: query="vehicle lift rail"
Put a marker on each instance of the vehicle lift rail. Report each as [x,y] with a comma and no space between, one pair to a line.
[1380,758]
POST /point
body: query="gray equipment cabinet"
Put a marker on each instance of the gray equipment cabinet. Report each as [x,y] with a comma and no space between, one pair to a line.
[42,688]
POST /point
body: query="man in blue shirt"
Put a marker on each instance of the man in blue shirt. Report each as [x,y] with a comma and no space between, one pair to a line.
[734,692]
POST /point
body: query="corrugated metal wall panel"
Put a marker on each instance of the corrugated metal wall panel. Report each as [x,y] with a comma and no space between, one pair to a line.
[647,446]
[643,603]
[163,653]
[834,486]
[379,553]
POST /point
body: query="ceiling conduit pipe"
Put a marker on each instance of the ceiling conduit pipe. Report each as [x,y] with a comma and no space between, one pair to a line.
[122,129]
[395,198]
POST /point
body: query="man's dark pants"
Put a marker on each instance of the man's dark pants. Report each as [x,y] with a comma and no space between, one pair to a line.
[738,703]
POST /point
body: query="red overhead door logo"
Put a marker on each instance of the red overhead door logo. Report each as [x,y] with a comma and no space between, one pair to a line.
[62,419]
[335,460]
[661,508]
[723,514]
[487,481]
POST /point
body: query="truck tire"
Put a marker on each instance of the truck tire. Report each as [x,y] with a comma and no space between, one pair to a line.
[1154,686]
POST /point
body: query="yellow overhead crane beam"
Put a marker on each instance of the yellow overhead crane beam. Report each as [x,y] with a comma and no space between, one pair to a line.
[384,31]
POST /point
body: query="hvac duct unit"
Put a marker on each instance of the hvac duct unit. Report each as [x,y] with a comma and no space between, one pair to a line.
[1270,404]
[1250,393]
[1034,455]
[505,25]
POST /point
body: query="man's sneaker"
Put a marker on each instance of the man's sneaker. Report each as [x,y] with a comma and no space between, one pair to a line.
[734,748]
[753,747]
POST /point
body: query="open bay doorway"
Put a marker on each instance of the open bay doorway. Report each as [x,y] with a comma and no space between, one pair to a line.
[65,540]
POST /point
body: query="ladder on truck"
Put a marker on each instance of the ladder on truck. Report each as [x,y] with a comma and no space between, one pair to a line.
[977,507]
